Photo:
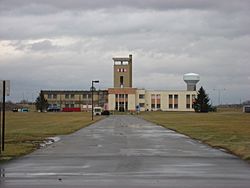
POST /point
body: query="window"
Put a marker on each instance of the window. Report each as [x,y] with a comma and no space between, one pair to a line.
[49,96]
[158,96]
[121,70]
[121,80]
[121,96]
[141,96]
[187,101]
[152,96]
[54,96]
[170,98]
[66,105]
[175,101]
[66,96]
[121,106]
[72,96]
[116,105]
[85,96]
[158,106]
[152,105]
[72,105]
[141,105]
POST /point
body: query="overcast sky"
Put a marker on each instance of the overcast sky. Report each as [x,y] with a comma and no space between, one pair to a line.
[64,44]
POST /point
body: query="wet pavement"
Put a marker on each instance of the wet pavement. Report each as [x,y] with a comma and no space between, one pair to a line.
[122,152]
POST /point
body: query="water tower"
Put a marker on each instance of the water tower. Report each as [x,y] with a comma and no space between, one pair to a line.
[191,79]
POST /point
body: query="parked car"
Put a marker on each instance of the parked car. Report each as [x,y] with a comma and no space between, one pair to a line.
[97,111]
[105,113]
[15,110]
[24,110]
[53,109]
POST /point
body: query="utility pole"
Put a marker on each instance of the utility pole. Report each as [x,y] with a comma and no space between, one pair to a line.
[0,123]
[5,88]
[219,94]
[92,95]
[3,117]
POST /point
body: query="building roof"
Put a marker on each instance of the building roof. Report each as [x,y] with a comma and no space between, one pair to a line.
[121,59]
[71,91]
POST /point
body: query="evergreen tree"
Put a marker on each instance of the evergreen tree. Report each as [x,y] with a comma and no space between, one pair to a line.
[201,103]
[41,103]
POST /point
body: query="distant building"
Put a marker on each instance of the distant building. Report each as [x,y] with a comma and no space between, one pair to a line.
[246,108]
[123,97]
[72,100]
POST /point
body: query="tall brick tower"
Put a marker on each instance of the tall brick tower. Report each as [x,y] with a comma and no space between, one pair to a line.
[123,72]
[122,96]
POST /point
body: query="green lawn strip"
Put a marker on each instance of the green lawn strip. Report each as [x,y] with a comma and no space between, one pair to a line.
[227,130]
[25,131]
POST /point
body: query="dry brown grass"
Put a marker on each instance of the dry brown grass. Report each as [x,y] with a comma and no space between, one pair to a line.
[229,130]
[25,131]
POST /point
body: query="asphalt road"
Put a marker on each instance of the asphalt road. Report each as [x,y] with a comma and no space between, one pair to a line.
[125,152]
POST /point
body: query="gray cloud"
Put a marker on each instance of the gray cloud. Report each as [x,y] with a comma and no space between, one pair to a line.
[43,45]
[64,44]
[229,5]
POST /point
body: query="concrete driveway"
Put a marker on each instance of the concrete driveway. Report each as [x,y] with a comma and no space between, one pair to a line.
[122,152]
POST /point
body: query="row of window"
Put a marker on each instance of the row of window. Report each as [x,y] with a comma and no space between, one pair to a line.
[173,104]
[158,106]
[170,106]
[141,96]
[71,105]
[121,106]
[189,103]
[52,96]
[155,96]
[121,70]
[158,96]
[125,105]
[67,96]
[72,96]
[171,96]
[121,96]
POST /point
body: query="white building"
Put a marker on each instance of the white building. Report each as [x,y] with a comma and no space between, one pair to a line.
[123,97]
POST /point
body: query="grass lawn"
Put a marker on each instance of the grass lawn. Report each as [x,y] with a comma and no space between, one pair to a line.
[227,129]
[25,131]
